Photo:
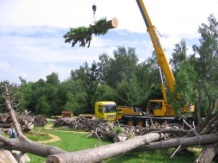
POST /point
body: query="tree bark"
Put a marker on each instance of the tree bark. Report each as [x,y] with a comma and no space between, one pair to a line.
[25,145]
[207,154]
[184,142]
[104,152]
[113,23]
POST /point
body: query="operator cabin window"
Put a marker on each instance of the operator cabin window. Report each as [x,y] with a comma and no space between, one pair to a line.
[100,109]
[110,108]
[153,106]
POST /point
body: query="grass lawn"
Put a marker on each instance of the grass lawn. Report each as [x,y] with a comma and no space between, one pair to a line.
[70,141]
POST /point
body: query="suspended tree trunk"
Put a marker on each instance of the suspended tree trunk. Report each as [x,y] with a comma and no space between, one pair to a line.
[113,23]
[83,35]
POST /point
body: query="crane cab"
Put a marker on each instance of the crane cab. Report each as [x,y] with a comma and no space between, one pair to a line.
[105,110]
[159,108]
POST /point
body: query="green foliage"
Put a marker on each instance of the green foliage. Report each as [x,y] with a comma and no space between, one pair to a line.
[206,65]
[53,79]
[76,103]
[25,95]
[129,93]
[155,92]
[118,129]
[104,92]
[178,56]
[42,106]
[123,66]
[83,35]
[185,93]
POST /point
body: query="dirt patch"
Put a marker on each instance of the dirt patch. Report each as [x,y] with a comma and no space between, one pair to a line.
[55,138]
[48,127]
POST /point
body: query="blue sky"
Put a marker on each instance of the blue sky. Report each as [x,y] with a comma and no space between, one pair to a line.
[31,32]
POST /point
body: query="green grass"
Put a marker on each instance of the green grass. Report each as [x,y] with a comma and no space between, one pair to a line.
[159,156]
[76,141]
[69,141]
[42,137]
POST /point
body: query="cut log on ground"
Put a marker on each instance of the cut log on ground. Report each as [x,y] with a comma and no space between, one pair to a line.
[104,152]
[183,141]
[207,154]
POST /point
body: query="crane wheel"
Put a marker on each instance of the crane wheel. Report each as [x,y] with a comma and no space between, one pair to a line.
[130,122]
[140,123]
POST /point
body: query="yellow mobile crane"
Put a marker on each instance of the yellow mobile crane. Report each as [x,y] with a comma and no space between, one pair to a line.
[159,110]
[165,109]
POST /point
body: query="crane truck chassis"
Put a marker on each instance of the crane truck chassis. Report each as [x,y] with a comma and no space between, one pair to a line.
[137,117]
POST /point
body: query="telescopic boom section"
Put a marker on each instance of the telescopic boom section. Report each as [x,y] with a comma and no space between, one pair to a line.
[161,57]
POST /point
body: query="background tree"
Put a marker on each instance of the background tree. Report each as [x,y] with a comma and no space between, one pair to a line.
[104,66]
[92,84]
[26,95]
[206,65]
[122,66]
[42,106]
[185,90]
[178,56]
[129,93]
[148,77]
[104,93]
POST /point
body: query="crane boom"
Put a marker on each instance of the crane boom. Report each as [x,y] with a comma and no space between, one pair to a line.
[161,56]
[157,110]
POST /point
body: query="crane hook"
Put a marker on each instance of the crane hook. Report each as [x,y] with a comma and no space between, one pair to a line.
[94,10]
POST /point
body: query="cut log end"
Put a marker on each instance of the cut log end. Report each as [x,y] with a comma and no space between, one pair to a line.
[53,159]
[114,22]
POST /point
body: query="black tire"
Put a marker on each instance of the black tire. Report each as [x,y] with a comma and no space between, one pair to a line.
[130,122]
[140,123]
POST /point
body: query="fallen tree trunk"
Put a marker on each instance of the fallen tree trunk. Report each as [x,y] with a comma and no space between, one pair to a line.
[104,152]
[25,145]
[184,142]
[207,154]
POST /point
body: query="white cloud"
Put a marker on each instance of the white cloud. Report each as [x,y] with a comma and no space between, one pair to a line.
[4,65]
[31,32]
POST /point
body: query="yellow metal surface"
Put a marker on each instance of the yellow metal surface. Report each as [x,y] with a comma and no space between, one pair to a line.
[100,112]
[121,110]
[165,110]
